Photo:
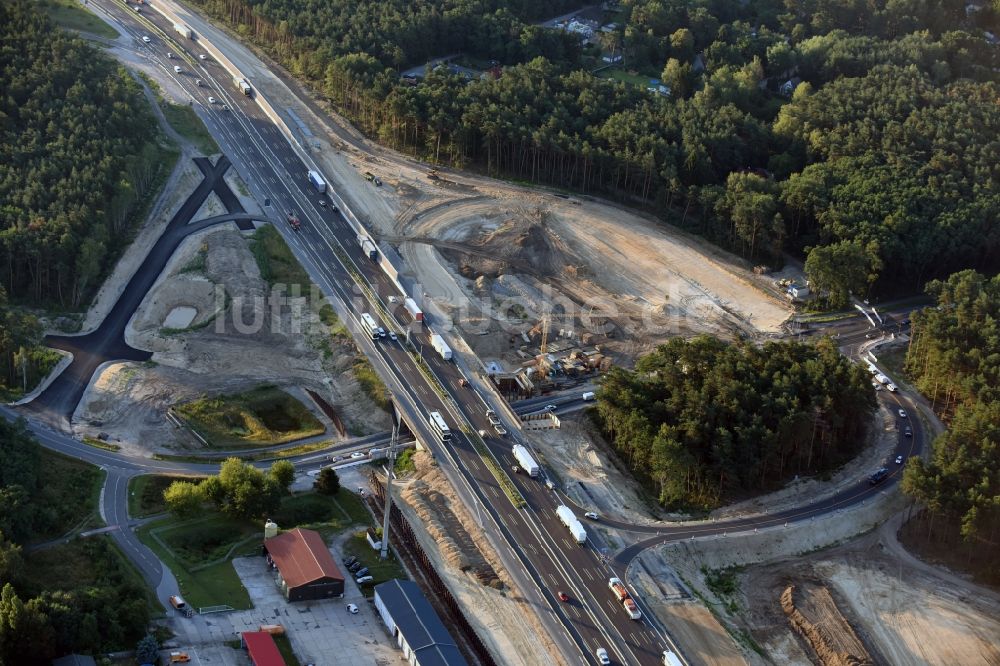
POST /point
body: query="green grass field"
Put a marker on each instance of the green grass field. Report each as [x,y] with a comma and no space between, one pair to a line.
[264,415]
[70,15]
[194,549]
[626,77]
[276,262]
[188,124]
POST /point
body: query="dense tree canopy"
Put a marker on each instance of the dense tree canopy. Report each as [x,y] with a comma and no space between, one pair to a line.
[239,489]
[955,357]
[75,158]
[703,420]
[881,168]
[37,623]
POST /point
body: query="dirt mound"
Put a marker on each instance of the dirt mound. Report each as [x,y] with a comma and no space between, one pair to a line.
[525,242]
[813,613]
[456,545]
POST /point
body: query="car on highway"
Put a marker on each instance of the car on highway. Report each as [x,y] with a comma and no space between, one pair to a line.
[562,596]
[591,515]
[145,38]
[177,69]
[902,413]
[381,332]
[211,100]
[393,299]
[878,476]
[891,387]
[908,432]
[392,336]
[876,386]
[357,454]
[352,609]
[602,656]
[550,408]
[899,460]
[322,202]
[170,55]
[202,56]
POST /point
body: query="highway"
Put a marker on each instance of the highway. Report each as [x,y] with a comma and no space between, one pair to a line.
[535,546]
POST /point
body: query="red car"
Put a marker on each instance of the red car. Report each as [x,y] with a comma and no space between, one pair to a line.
[563,596]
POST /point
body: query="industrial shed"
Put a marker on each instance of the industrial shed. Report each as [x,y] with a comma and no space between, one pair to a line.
[413,624]
[306,569]
[261,649]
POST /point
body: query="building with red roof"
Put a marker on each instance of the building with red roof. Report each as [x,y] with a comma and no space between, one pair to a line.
[261,649]
[306,569]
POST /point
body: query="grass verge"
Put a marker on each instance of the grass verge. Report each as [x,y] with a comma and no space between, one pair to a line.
[276,262]
[101,444]
[187,123]
[509,489]
[264,415]
[199,551]
[145,493]
[371,383]
[68,14]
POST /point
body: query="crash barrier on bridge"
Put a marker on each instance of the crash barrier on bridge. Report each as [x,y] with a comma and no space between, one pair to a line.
[408,548]
[547,421]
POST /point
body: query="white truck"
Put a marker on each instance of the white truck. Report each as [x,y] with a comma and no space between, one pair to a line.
[441,347]
[670,659]
[244,86]
[317,181]
[414,309]
[184,30]
[576,528]
[524,458]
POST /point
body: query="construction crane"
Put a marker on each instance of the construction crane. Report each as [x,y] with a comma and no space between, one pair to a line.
[546,318]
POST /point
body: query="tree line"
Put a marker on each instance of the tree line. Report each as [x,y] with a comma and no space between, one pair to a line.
[77,156]
[40,622]
[701,421]
[954,356]
[881,170]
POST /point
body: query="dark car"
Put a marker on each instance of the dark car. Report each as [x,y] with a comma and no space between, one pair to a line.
[908,432]
[348,561]
[878,476]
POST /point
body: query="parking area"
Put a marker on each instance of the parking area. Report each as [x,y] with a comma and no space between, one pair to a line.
[321,632]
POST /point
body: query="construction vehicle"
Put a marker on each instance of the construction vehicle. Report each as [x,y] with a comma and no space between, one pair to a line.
[372,178]
[621,593]
[179,657]
[576,528]
[527,462]
[293,221]
[433,174]
[441,347]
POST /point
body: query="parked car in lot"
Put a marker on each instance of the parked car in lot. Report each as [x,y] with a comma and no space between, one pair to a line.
[352,609]
[363,571]
[348,561]
[364,579]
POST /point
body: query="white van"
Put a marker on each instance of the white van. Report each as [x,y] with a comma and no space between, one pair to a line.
[177,69]
[670,659]
[589,395]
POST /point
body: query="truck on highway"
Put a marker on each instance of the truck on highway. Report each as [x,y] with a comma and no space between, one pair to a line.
[670,659]
[523,456]
[441,347]
[621,593]
[368,247]
[317,181]
[244,86]
[413,309]
[293,220]
[184,30]
[575,527]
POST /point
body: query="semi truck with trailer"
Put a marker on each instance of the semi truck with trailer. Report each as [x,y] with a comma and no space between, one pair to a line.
[184,30]
[524,459]
[244,86]
[368,247]
[575,527]
[413,309]
[317,181]
[441,347]
[621,593]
